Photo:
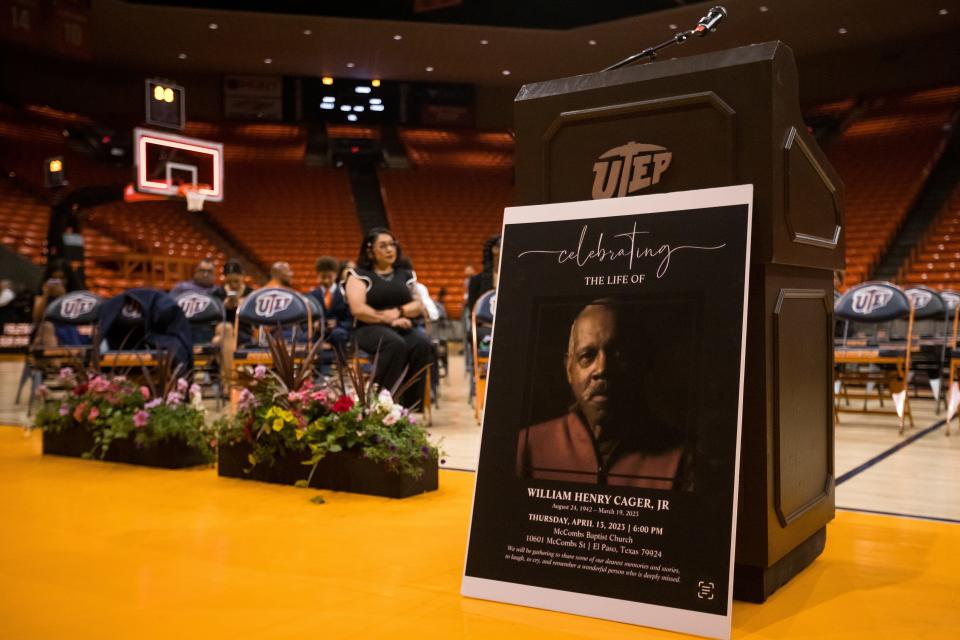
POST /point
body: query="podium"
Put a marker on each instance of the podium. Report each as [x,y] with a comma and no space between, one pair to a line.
[725,118]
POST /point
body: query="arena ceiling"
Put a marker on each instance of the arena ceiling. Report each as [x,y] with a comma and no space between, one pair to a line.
[492,45]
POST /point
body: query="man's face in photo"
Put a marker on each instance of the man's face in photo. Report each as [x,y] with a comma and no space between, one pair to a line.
[594,363]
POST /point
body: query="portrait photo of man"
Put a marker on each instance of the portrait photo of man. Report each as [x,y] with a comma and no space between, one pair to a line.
[609,435]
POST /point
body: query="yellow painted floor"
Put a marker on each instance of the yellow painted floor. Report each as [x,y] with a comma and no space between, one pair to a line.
[98,550]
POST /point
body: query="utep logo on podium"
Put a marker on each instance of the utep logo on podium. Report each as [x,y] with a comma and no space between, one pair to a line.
[866,301]
[192,304]
[77,305]
[629,168]
[271,304]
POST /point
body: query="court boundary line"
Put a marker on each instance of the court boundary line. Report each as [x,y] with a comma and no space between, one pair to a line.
[883,455]
[900,515]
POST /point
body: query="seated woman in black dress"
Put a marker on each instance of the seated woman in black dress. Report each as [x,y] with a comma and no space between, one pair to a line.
[382,301]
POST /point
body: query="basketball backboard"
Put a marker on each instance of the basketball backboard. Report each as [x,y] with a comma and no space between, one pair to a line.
[166,163]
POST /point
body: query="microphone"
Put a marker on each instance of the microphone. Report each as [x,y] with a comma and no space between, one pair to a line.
[710,21]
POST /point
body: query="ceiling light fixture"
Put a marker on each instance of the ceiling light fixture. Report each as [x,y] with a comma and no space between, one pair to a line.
[345,107]
[591,42]
[268,61]
[397,36]
[429,69]
[376,107]
[327,80]
[484,42]
[351,117]
[764,8]
[358,108]
[362,89]
[308,32]
[842,30]
[329,99]
[505,72]
[376,101]
[350,65]
[213,26]
[375,82]
[182,56]
[673,27]
[943,12]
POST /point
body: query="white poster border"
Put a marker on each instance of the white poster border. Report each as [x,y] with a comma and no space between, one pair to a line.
[639,613]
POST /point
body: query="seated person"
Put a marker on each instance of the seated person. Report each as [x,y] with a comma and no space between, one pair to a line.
[58,279]
[232,292]
[381,299]
[329,293]
[203,280]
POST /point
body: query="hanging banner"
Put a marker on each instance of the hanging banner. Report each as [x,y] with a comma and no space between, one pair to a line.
[607,479]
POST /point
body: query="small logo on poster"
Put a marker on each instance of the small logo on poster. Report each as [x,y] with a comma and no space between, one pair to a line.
[629,168]
[705,590]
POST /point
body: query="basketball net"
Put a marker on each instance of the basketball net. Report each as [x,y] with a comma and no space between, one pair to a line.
[195,198]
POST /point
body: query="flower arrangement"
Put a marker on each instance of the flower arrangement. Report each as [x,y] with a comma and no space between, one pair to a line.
[284,411]
[111,408]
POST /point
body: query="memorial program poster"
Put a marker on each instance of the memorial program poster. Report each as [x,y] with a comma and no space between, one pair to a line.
[608,469]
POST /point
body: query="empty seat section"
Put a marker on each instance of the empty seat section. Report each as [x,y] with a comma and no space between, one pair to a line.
[445,208]
[883,158]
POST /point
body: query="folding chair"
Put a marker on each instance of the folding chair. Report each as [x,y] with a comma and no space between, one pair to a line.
[951,399]
[929,330]
[274,309]
[867,356]
[206,314]
[481,330]
[78,309]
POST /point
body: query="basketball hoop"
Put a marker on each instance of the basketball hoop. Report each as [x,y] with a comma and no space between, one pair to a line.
[195,197]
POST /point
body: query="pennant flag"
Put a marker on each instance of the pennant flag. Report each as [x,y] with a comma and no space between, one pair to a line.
[900,399]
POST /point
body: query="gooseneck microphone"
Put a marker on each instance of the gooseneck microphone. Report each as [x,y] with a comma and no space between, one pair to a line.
[709,22]
[707,25]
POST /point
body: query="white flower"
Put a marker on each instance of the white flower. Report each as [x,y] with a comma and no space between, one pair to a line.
[385,401]
[394,416]
[196,397]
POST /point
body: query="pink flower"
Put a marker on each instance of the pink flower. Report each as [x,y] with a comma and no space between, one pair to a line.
[145,392]
[182,385]
[259,372]
[42,391]
[156,402]
[247,400]
[174,398]
[194,389]
[140,419]
[412,419]
[78,411]
[94,413]
[99,385]
[65,372]
[64,409]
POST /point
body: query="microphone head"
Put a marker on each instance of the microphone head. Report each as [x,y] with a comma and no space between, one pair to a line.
[709,22]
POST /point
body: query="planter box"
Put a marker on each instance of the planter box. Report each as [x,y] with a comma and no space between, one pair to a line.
[168,454]
[344,471]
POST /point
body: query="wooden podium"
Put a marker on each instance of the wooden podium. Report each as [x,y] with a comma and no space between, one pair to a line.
[730,117]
